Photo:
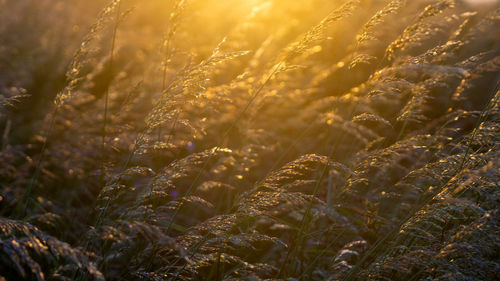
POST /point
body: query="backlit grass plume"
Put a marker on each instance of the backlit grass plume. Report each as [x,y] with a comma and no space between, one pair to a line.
[418,28]
[74,75]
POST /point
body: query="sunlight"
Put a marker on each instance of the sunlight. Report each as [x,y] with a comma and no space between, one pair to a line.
[483,1]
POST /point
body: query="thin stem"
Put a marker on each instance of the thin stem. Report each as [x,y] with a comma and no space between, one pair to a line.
[106,95]
[168,53]
[481,119]
[36,174]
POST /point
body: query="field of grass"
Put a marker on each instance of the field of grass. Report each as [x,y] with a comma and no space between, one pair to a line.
[249,140]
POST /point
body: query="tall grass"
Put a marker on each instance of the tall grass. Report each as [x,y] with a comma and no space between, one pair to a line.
[254,140]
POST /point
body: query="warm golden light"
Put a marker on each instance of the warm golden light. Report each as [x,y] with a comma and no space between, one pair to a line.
[249,140]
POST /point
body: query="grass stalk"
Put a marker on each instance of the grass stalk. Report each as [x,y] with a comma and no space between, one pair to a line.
[38,166]
[106,95]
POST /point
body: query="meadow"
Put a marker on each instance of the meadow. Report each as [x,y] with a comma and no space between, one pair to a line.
[249,140]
